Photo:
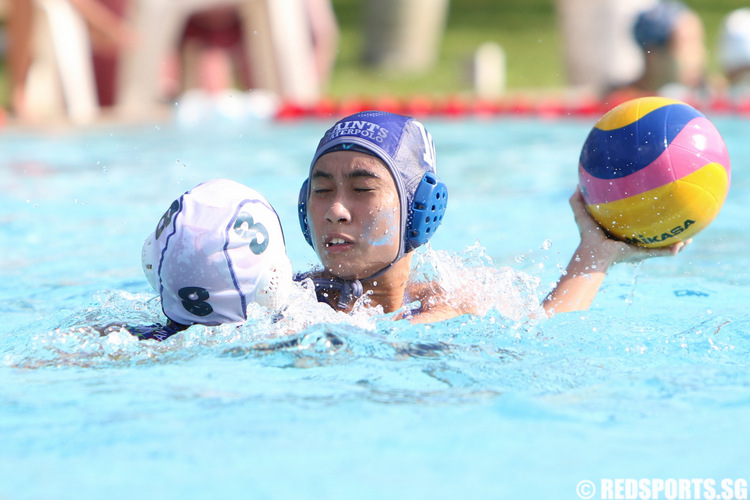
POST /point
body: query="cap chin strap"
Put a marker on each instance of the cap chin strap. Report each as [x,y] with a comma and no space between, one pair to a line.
[349,290]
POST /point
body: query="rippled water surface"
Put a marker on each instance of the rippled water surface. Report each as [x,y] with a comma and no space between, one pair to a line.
[652,382]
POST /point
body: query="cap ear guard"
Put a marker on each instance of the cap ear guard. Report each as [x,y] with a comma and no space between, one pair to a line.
[148,261]
[427,210]
[426,214]
[302,213]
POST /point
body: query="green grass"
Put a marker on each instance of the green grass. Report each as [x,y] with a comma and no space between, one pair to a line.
[526,29]
[511,23]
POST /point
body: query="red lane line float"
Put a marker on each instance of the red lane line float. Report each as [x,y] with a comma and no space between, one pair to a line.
[456,106]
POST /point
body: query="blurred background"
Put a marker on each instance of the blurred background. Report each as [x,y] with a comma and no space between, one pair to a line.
[529,31]
[152,52]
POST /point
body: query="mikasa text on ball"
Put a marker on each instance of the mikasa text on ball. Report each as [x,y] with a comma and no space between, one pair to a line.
[654,171]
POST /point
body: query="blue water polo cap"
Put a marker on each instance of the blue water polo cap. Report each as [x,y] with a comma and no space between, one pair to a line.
[406,148]
[653,27]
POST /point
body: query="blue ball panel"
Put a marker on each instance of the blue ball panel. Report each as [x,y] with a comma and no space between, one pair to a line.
[617,153]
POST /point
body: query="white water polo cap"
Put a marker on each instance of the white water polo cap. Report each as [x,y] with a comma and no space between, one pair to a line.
[406,148]
[734,40]
[218,248]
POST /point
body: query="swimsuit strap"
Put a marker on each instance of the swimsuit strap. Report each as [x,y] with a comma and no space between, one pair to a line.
[156,332]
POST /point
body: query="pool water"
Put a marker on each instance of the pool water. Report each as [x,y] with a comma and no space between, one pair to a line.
[652,382]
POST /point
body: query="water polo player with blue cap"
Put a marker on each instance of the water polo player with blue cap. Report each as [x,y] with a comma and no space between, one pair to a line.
[371,197]
[672,40]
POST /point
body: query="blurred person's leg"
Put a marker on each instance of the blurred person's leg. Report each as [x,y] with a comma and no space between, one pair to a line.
[325,36]
[688,48]
[20,23]
[109,36]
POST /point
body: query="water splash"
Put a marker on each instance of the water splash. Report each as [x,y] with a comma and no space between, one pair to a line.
[506,348]
[470,276]
[304,333]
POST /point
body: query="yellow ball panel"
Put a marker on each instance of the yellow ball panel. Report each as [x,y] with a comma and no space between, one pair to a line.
[668,214]
[630,111]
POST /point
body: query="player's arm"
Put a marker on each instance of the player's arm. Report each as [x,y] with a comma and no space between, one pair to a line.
[595,254]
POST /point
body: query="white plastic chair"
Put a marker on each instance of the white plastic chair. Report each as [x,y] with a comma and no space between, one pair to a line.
[62,64]
[279,47]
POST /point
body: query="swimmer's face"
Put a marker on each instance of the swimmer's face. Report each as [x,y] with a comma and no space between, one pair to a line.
[354,214]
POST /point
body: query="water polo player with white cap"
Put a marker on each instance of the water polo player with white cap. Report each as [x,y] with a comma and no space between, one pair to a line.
[217,248]
[371,197]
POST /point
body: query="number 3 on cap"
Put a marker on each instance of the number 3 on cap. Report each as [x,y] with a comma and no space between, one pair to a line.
[247,229]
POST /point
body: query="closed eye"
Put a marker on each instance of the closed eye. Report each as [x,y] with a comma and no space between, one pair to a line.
[321,188]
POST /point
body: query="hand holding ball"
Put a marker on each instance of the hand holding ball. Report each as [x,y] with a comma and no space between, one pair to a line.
[654,171]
